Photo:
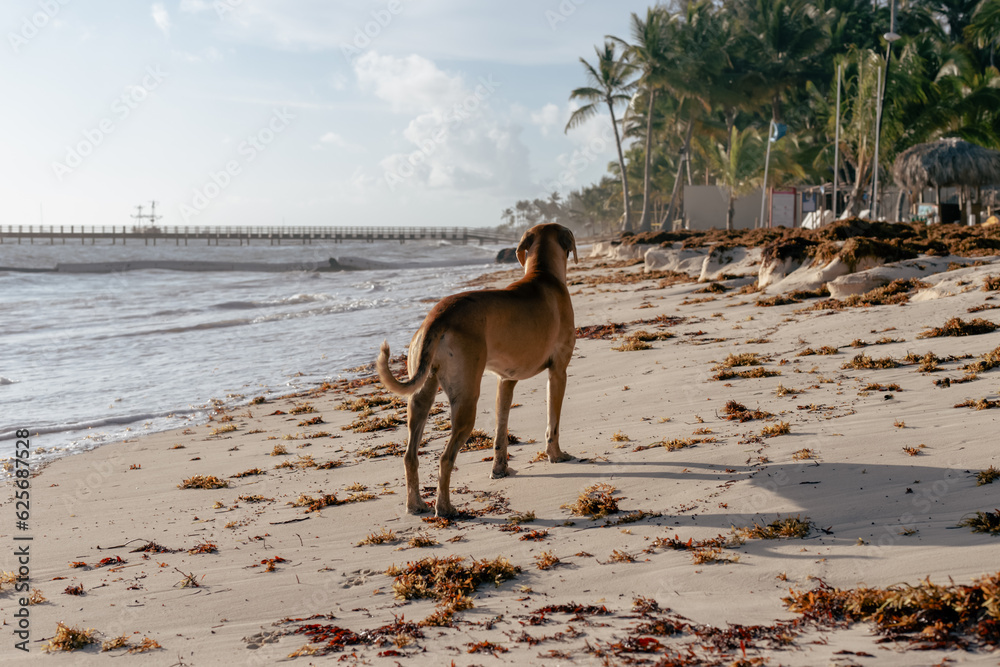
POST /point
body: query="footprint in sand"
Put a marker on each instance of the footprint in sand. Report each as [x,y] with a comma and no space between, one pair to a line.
[263,637]
[357,577]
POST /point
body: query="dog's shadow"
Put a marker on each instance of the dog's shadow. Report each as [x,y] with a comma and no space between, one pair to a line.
[880,504]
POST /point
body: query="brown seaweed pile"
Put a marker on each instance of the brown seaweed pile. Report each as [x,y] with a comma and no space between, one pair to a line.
[892,241]
[928,615]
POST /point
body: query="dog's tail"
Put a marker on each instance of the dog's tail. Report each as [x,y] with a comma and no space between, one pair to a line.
[425,352]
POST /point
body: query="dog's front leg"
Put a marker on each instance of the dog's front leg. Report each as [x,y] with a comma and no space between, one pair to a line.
[556,391]
[505,394]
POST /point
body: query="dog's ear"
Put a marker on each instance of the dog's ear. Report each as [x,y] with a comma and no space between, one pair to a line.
[568,243]
[522,248]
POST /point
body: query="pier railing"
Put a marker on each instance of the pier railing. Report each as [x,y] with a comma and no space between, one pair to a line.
[230,235]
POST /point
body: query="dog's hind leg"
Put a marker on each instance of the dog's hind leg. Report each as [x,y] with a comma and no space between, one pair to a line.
[556,391]
[418,407]
[505,394]
[463,396]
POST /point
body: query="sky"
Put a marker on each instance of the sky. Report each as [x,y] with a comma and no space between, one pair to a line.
[295,112]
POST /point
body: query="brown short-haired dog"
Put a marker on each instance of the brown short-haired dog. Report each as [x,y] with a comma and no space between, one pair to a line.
[515,332]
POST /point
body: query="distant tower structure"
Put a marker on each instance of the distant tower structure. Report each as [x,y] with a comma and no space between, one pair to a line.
[151,216]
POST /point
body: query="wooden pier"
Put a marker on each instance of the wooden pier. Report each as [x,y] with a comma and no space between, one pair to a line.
[90,235]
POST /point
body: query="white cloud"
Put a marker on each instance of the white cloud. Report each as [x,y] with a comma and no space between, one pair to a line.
[547,118]
[332,140]
[409,83]
[161,18]
[456,139]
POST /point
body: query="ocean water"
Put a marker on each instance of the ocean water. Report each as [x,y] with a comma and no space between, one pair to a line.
[88,359]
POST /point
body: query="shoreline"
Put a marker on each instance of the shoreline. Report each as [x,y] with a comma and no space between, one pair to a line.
[334,264]
[261,310]
[650,423]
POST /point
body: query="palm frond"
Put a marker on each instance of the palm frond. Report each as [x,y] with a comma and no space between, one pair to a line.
[581,116]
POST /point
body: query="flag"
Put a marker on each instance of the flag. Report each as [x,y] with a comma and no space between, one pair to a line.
[778,130]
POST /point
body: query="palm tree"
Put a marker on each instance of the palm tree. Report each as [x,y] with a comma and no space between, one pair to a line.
[508,216]
[956,13]
[984,30]
[705,68]
[610,85]
[701,42]
[786,39]
[738,164]
[857,135]
[649,54]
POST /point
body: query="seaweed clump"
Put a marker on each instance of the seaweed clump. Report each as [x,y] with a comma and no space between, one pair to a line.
[632,345]
[605,331]
[329,500]
[864,362]
[895,293]
[776,300]
[787,528]
[448,581]
[988,476]
[203,482]
[744,359]
[858,248]
[363,425]
[758,372]
[988,361]
[928,615]
[734,411]
[595,501]
[956,326]
[826,349]
[712,288]
[983,522]
[69,639]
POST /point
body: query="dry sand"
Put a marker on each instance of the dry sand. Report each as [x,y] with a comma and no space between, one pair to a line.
[879,515]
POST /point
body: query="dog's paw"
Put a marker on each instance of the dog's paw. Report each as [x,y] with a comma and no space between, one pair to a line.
[446,511]
[500,473]
[419,507]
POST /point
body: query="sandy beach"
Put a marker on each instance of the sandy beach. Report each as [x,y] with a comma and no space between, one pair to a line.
[843,436]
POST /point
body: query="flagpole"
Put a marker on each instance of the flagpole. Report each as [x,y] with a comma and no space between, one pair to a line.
[767,162]
[873,209]
[836,148]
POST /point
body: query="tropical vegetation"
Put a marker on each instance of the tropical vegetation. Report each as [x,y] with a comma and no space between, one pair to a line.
[693,90]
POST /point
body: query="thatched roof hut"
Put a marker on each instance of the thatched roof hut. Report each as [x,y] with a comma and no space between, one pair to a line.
[946,162]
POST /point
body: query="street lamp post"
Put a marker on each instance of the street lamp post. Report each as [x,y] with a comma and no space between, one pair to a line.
[889,37]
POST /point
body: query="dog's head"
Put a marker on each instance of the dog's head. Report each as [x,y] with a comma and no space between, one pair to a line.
[543,242]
